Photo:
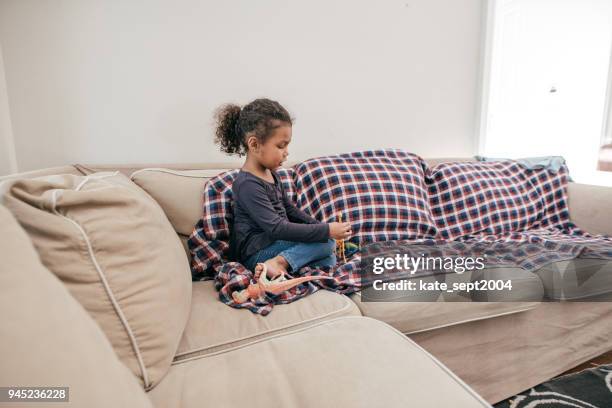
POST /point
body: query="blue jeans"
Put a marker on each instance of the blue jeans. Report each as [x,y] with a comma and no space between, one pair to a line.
[297,254]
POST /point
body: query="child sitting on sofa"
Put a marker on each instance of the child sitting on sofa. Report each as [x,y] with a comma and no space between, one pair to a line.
[267,227]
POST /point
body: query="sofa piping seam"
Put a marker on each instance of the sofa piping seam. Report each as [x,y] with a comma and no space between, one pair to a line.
[173,172]
[475,319]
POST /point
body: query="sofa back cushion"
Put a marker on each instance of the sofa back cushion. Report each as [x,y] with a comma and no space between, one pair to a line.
[178,192]
[114,249]
[47,337]
[498,197]
[381,192]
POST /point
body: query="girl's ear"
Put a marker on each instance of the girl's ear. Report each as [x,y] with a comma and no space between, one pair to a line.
[252,143]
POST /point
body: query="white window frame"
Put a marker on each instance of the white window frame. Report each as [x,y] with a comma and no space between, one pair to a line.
[486,57]
[7,138]
[606,128]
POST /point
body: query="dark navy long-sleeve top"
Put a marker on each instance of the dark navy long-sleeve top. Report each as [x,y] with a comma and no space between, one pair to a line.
[264,214]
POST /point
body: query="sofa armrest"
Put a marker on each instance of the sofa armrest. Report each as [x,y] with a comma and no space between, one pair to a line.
[590,207]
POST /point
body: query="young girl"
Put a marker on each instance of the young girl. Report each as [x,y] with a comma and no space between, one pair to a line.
[268,228]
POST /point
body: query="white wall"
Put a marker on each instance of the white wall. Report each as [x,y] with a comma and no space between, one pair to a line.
[136,81]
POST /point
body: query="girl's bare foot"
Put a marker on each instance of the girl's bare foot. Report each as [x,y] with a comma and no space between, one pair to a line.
[275,266]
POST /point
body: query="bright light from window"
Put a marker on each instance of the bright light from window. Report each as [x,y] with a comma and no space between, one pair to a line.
[548,77]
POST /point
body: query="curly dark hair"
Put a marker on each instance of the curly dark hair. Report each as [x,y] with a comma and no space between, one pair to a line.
[259,117]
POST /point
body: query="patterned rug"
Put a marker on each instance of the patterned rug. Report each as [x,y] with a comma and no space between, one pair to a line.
[591,388]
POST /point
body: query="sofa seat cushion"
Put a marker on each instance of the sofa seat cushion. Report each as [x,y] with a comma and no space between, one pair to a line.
[526,285]
[114,249]
[579,278]
[344,362]
[414,317]
[416,311]
[213,326]
[47,337]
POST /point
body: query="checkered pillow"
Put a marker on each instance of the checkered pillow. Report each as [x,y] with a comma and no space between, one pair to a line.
[468,198]
[209,241]
[382,192]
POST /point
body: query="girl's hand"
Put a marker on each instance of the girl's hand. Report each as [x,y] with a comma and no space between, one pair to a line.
[340,230]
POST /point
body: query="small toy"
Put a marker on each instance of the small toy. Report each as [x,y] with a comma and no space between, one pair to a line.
[344,248]
[340,244]
[350,248]
[274,286]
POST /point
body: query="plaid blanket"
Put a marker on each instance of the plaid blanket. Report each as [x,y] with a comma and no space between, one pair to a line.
[382,193]
[496,198]
[518,217]
[518,212]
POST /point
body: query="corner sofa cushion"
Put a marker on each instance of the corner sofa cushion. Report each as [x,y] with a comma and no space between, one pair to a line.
[382,193]
[178,192]
[209,240]
[47,337]
[213,326]
[343,362]
[116,252]
[469,198]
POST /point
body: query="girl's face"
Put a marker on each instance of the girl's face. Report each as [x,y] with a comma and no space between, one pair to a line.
[274,151]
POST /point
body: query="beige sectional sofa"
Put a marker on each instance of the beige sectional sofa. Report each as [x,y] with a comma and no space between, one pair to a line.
[161,336]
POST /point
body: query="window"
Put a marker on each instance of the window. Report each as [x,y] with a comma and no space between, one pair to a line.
[545,82]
